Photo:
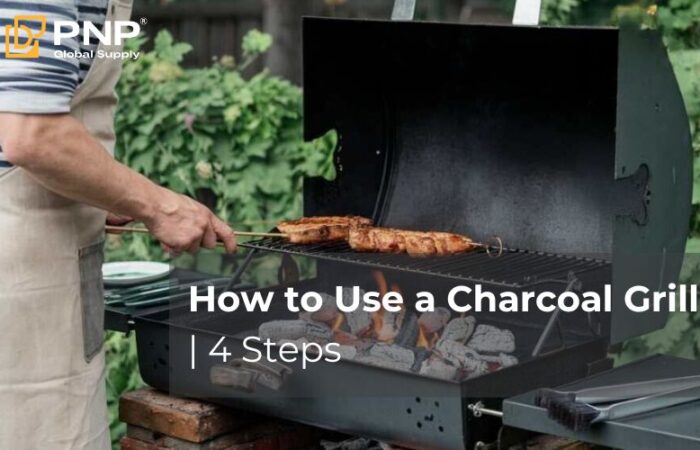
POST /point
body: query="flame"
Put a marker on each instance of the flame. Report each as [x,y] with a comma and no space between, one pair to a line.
[426,340]
[338,322]
[422,341]
[382,333]
[381,282]
[378,316]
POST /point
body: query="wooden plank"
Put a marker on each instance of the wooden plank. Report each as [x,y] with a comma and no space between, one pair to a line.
[189,420]
[194,31]
[222,38]
[200,9]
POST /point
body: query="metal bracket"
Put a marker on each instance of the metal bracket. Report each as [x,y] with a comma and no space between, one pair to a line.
[573,284]
[527,12]
[478,409]
[403,10]
[633,196]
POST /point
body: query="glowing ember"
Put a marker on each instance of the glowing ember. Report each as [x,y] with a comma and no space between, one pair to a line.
[422,341]
[338,322]
[378,321]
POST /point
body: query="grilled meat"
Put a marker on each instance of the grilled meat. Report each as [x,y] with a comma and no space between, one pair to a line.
[415,243]
[311,230]
[363,237]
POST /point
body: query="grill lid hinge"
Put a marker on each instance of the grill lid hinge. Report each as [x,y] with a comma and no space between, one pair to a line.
[633,196]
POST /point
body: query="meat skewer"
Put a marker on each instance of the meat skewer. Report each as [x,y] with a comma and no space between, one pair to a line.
[362,236]
[415,243]
[307,230]
[312,230]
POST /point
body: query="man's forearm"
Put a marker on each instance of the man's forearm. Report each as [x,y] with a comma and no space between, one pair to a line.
[60,154]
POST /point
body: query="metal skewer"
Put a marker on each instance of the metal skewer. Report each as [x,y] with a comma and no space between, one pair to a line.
[112,229]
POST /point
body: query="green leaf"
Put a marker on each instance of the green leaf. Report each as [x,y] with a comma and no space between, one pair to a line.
[256,43]
[169,51]
[277,179]
[662,341]
[143,162]
[259,148]
[686,65]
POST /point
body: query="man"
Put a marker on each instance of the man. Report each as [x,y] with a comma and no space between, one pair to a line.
[57,183]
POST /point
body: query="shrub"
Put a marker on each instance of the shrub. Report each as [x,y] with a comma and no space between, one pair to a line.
[234,143]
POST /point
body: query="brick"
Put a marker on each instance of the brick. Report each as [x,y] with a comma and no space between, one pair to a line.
[248,446]
[142,434]
[157,421]
[189,420]
[128,443]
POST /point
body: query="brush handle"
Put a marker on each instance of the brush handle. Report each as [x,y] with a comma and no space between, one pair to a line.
[648,404]
[616,392]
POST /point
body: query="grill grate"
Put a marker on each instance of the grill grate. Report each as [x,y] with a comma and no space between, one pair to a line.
[513,269]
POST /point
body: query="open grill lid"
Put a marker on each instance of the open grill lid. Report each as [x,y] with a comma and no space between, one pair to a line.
[562,140]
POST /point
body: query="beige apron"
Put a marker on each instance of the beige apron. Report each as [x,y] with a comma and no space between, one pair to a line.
[52,386]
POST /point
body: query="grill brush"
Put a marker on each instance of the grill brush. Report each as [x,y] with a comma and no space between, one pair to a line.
[545,397]
[577,410]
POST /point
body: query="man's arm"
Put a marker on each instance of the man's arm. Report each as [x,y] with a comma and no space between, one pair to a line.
[61,155]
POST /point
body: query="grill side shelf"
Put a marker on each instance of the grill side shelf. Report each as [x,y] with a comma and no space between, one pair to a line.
[514,269]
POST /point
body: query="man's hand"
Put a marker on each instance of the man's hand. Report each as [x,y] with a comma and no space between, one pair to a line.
[182,224]
[118,220]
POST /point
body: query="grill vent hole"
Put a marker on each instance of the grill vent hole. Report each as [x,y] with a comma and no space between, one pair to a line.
[162,362]
[409,410]
[437,404]
[417,399]
[441,429]
[419,424]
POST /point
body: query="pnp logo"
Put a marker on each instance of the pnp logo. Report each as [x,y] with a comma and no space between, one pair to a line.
[21,42]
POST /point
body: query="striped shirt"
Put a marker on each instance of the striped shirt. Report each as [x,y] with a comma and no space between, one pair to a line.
[45,85]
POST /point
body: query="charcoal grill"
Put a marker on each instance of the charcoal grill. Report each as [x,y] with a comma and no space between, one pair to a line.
[571,144]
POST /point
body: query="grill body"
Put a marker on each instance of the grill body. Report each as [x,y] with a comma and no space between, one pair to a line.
[402,408]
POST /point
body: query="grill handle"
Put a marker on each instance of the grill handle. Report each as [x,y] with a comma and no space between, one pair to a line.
[242,375]
[403,10]
[526,12]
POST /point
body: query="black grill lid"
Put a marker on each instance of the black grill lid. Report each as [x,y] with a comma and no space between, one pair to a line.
[561,140]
